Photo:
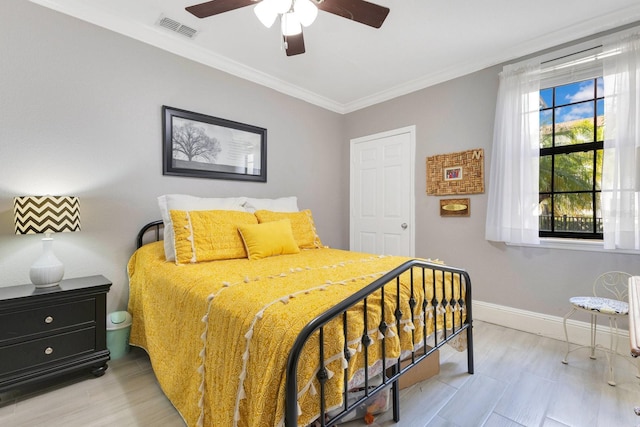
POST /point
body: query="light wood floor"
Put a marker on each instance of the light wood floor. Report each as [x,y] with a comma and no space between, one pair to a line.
[518,381]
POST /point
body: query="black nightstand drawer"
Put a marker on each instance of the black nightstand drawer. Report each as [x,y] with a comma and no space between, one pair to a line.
[53,331]
[22,324]
[46,350]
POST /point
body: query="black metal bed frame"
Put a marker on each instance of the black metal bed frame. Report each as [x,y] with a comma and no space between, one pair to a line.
[391,372]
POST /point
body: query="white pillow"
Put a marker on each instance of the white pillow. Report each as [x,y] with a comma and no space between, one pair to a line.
[184,202]
[283,204]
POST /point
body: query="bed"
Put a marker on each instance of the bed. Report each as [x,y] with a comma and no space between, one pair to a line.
[285,340]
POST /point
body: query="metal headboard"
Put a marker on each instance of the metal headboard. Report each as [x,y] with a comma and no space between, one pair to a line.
[157,226]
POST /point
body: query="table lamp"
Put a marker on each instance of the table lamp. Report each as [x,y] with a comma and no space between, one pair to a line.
[46,214]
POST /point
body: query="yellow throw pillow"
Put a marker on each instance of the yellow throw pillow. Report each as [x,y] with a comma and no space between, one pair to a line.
[302,225]
[268,239]
[209,235]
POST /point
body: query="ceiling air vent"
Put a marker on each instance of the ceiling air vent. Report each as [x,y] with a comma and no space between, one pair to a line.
[177,27]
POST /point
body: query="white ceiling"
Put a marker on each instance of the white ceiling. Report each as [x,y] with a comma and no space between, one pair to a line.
[347,65]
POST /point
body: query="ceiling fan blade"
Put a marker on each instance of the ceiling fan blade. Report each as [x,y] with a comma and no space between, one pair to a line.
[294,45]
[214,7]
[357,10]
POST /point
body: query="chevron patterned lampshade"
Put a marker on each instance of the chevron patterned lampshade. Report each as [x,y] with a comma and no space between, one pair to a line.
[46,214]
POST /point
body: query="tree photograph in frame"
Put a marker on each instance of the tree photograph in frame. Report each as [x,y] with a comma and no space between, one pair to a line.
[197,145]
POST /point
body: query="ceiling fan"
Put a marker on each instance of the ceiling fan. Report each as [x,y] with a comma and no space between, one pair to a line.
[296,13]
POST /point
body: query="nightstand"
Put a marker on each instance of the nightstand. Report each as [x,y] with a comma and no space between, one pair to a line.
[46,332]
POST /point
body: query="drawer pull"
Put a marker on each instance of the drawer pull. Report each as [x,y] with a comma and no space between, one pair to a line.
[48,319]
[48,350]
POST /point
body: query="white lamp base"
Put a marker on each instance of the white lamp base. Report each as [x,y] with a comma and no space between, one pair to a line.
[47,271]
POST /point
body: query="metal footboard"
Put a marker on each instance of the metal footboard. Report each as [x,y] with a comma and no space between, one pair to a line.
[391,372]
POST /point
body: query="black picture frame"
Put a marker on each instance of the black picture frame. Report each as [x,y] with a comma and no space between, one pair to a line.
[201,146]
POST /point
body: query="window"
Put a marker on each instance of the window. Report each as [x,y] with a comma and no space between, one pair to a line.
[552,175]
[571,144]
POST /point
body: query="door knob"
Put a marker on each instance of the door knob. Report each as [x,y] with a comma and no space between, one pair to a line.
[404,225]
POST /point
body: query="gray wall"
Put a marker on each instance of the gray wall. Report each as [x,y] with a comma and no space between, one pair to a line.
[455,116]
[80,114]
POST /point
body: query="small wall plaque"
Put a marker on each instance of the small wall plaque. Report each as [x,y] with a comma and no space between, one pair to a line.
[455,207]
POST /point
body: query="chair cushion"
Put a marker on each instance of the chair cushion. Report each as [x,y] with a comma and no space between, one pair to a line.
[601,305]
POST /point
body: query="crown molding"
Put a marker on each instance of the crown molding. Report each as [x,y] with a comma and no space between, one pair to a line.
[172,43]
[175,44]
[586,29]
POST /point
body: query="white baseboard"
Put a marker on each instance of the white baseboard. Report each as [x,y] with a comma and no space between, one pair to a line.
[547,326]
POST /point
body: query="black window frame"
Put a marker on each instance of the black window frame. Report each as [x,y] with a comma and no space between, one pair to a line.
[595,146]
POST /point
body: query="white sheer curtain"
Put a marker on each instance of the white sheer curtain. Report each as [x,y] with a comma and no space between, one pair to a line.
[620,170]
[512,211]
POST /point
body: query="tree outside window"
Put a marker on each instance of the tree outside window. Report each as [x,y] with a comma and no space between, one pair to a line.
[571,143]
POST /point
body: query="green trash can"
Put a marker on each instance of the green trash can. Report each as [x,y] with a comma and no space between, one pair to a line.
[118,330]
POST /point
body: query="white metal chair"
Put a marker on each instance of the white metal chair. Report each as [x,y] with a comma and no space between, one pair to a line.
[609,299]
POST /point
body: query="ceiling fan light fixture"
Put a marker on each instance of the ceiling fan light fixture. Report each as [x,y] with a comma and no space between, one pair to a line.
[265,13]
[296,13]
[279,6]
[305,11]
[290,25]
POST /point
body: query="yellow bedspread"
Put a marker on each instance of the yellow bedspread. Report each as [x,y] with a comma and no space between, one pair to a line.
[218,333]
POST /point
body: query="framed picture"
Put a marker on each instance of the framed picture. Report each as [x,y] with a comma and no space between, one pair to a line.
[453,174]
[455,207]
[456,173]
[201,146]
